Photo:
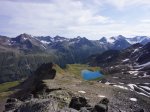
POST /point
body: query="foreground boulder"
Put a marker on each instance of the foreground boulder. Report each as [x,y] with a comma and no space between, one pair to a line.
[78,102]
[102,106]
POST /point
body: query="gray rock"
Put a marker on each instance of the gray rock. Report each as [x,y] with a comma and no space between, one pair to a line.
[140,110]
[78,102]
[12,106]
[84,109]
[10,100]
[102,106]
[68,110]
[104,101]
[38,105]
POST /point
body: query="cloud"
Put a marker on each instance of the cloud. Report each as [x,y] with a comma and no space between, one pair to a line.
[54,17]
[147,21]
[122,4]
[70,18]
[30,1]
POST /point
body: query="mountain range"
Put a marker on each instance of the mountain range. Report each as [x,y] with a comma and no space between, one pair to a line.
[42,43]
[21,55]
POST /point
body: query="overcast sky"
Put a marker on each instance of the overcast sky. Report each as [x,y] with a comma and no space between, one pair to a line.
[70,18]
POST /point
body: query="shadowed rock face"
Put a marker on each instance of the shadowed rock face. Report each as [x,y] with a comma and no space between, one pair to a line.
[35,83]
[45,71]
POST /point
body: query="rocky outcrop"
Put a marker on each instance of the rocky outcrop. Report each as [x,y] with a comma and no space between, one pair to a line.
[35,83]
[53,105]
[102,106]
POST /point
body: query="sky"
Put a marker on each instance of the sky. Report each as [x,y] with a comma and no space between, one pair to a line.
[71,18]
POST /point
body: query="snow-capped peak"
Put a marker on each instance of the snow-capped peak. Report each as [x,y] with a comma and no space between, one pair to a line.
[111,39]
[103,40]
[138,39]
[134,40]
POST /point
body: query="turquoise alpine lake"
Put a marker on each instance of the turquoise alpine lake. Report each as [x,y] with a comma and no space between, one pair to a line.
[89,75]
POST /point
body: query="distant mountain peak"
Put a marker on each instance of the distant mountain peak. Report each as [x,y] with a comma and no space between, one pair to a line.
[121,36]
[23,37]
[138,39]
[103,39]
[78,37]
[59,39]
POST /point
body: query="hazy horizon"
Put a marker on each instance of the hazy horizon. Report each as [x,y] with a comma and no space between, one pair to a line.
[71,18]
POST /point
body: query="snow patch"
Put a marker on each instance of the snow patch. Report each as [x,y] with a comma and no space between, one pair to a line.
[145,87]
[133,72]
[142,91]
[125,60]
[115,77]
[135,50]
[143,65]
[142,94]
[131,86]
[101,96]
[133,99]
[45,42]
[82,92]
[121,83]
[107,83]
[122,87]
[111,67]
[147,83]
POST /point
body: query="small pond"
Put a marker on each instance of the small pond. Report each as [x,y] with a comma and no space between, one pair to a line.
[89,75]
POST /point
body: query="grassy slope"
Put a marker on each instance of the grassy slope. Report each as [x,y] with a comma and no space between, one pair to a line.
[5,88]
[75,69]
